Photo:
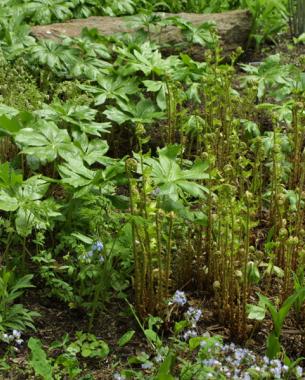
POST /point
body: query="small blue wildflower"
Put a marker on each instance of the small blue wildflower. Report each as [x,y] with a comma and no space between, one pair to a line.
[101,259]
[299,371]
[189,334]
[179,298]
[16,334]
[211,362]
[147,365]
[193,315]
[19,341]
[117,376]
[98,246]
[266,360]
[155,192]
[159,358]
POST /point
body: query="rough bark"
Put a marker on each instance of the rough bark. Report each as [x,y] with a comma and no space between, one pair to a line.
[233,28]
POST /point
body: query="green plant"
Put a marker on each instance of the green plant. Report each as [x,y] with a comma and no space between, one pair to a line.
[88,346]
[164,179]
[13,315]
[25,198]
[269,18]
[39,361]
[66,360]
[278,317]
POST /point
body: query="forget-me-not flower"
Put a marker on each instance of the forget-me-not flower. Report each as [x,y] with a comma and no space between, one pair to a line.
[179,298]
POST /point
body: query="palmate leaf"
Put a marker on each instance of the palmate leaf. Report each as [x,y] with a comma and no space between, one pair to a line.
[75,174]
[68,112]
[44,141]
[32,212]
[89,151]
[120,8]
[147,59]
[39,215]
[270,74]
[45,11]
[90,48]
[90,67]
[111,88]
[94,150]
[25,199]
[33,189]
[172,179]
[80,117]
[142,112]
[54,55]
[95,129]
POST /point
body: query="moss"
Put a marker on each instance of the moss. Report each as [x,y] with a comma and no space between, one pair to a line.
[18,87]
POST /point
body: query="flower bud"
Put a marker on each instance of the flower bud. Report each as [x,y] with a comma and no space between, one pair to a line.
[216,285]
[283,233]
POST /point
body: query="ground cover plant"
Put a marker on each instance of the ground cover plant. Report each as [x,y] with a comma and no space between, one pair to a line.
[151,206]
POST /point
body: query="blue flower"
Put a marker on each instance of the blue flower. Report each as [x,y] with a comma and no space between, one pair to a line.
[179,298]
[299,371]
[193,314]
[189,334]
[156,192]
[147,365]
[98,246]
[159,358]
[16,334]
[117,376]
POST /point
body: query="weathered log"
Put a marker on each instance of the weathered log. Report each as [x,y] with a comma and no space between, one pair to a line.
[233,28]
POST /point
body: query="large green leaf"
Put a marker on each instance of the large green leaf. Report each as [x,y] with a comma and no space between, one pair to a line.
[7,203]
[75,173]
[89,151]
[25,198]
[53,54]
[142,112]
[44,141]
[80,117]
[110,88]
[9,126]
[171,178]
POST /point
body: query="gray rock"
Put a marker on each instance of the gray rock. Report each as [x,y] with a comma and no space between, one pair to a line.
[233,28]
